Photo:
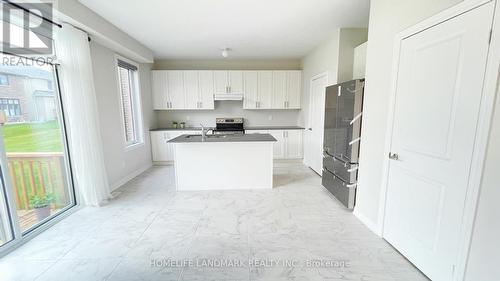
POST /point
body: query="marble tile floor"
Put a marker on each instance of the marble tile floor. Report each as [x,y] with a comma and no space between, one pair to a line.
[296,231]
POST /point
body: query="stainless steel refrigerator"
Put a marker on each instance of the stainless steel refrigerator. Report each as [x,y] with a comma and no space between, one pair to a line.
[342,135]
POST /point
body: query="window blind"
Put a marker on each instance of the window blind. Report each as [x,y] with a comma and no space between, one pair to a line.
[126,65]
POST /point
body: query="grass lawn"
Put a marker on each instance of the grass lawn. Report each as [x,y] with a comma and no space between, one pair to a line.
[32,137]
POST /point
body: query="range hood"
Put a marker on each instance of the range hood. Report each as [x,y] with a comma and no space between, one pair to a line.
[228,96]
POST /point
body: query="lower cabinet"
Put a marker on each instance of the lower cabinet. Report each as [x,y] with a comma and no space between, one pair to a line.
[161,150]
[289,143]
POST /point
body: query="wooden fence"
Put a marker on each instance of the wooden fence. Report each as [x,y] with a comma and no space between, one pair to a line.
[36,173]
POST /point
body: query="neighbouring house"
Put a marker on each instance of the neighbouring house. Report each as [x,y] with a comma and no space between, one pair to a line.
[27,94]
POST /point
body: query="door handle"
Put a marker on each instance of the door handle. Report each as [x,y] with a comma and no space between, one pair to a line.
[310,129]
[393,156]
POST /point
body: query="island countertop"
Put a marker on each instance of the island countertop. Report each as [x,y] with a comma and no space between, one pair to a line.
[223,138]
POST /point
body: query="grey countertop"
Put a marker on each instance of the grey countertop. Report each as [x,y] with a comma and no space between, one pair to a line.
[249,128]
[179,129]
[224,138]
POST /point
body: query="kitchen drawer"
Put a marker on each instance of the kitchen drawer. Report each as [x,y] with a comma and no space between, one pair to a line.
[345,193]
[346,171]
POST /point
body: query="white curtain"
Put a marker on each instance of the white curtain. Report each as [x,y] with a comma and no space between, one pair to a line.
[80,106]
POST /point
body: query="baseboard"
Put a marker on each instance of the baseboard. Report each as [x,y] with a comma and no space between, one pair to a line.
[374,227]
[130,176]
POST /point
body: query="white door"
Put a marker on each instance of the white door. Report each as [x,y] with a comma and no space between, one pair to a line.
[294,89]
[251,89]
[279,89]
[160,90]
[221,82]
[176,89]
[206,89]
[293,144]
[314,133]
[264,100]
[439,87]
[191,88]
[236,82]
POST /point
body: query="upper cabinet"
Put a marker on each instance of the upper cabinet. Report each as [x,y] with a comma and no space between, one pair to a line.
[182,89]
[195,89]
[228,82]
[275,89]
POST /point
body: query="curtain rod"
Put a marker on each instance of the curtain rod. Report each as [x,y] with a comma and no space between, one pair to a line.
[36,15]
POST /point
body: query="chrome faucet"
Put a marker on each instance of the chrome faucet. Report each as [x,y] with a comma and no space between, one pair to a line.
[203,132]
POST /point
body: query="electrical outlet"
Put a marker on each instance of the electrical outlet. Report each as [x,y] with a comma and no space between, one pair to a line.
[270,117]
[188,118]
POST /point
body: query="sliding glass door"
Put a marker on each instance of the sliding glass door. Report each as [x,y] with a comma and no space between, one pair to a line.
[34,145]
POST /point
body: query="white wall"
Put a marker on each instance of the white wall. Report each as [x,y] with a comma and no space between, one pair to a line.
[323,58]
[121,165]
[484,255]
[387,18]
[228,108]
[102,31]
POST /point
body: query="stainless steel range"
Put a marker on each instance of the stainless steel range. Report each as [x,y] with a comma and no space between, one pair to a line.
[229,126]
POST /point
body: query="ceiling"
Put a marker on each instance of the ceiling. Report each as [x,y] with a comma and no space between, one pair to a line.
[198,29]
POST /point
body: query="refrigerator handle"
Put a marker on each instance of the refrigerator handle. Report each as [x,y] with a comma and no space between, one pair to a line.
[356,118]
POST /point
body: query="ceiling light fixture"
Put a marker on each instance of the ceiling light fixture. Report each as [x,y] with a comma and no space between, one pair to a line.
[225,52]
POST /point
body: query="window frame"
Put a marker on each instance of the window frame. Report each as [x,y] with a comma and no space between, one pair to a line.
[136,101]
[12,104]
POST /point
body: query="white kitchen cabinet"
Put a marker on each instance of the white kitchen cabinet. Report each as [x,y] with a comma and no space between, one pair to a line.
[265,90]
[251,89]
[161,150]
[279,146]
[258,89]
[192,89]
[286,89]
[195,89]
[279,93]
[228,82]
[289,143]
[176,89]
[293,144]
[221,82]
[235,82]
[206,82]
[160,90]
[294,86]
[182,89]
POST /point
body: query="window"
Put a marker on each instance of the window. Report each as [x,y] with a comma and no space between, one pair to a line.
[10,106]
[130,101]
[4,80]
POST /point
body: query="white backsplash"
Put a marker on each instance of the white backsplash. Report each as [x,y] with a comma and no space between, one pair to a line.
[193,118]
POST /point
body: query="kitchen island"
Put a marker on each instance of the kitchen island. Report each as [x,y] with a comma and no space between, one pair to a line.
[223,162]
